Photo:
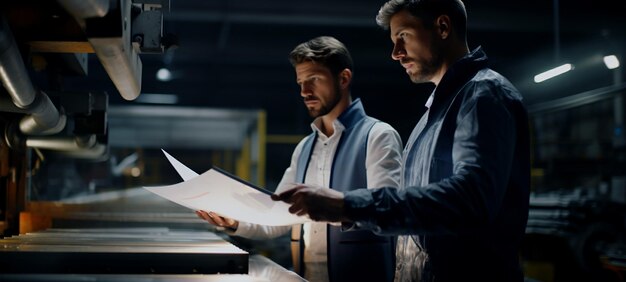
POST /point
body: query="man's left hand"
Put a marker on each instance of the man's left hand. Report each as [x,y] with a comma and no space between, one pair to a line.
[321,204]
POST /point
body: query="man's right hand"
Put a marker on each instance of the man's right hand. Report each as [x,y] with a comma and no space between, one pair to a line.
[320,204]
[218,220]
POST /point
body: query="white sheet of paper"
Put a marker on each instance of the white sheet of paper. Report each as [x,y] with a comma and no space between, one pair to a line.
[184,172]
[221,193]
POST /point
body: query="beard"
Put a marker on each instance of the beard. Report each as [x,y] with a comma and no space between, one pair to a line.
[427,67]
[326,106]
[424,74]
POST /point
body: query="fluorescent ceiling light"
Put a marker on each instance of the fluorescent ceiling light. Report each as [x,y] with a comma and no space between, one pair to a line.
[157,98]
[553,72]
[611,62]
[164,74]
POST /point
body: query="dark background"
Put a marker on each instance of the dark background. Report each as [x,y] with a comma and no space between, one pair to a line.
[233,54]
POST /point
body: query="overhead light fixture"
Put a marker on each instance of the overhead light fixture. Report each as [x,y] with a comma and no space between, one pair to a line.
[164,74]
[553,72]
[611,62]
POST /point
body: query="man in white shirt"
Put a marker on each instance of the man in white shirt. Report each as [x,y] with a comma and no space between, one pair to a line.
[346,149]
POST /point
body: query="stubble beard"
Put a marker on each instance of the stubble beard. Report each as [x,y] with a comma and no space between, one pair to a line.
[426,71]
[326,108]
[428,66]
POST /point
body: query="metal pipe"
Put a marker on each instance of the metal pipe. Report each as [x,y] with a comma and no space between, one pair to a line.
[12,70]
[122,64]
[7,105]
[62,143]
[43,117]
[86,8]
[81,147]
[97,152]
[118,57]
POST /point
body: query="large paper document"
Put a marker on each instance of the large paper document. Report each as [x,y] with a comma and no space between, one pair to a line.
[225,194]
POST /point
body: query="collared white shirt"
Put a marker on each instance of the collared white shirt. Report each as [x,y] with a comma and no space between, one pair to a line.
[429,102]
[382,163]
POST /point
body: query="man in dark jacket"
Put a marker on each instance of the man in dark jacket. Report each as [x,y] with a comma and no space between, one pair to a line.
[463,202]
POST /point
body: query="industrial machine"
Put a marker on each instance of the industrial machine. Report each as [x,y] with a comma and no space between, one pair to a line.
[60,158]
[72,159]
[41,43]
[577,220]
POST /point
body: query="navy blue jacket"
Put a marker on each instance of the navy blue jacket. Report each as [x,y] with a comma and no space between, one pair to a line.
[465,189]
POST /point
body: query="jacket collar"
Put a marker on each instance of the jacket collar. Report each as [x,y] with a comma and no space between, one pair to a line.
[460,73]
[352,114]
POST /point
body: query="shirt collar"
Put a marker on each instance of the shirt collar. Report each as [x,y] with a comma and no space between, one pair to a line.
[317,124]
[429,102]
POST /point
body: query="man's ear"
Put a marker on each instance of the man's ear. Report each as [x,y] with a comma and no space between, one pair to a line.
[345,77]
[443,25]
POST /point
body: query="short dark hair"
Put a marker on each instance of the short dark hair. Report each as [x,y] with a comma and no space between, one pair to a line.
[325,50]
[428,11]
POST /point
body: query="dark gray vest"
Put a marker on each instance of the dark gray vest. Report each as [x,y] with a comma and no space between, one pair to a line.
[355,255]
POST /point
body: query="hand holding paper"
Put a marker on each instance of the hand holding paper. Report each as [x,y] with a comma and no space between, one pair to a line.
[320,204]
[218,220]
[226,195]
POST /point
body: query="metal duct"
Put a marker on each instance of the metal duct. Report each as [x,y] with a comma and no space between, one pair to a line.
[7,105]
[63,143]
[12,70]
[86,8]
[79,147]
[43,116]
[122,64]
[113,48]
[97,152]
[44,119]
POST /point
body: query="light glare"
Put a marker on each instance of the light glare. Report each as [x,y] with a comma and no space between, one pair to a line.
[553,72]
[611,62]
[164,74]
[135,172]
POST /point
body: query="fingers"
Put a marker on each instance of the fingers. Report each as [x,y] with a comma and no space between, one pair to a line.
[299,210]
[205,215]
[233,224]
[202,214]
[296,208]
[286,196]
[217,220]
[298,205]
